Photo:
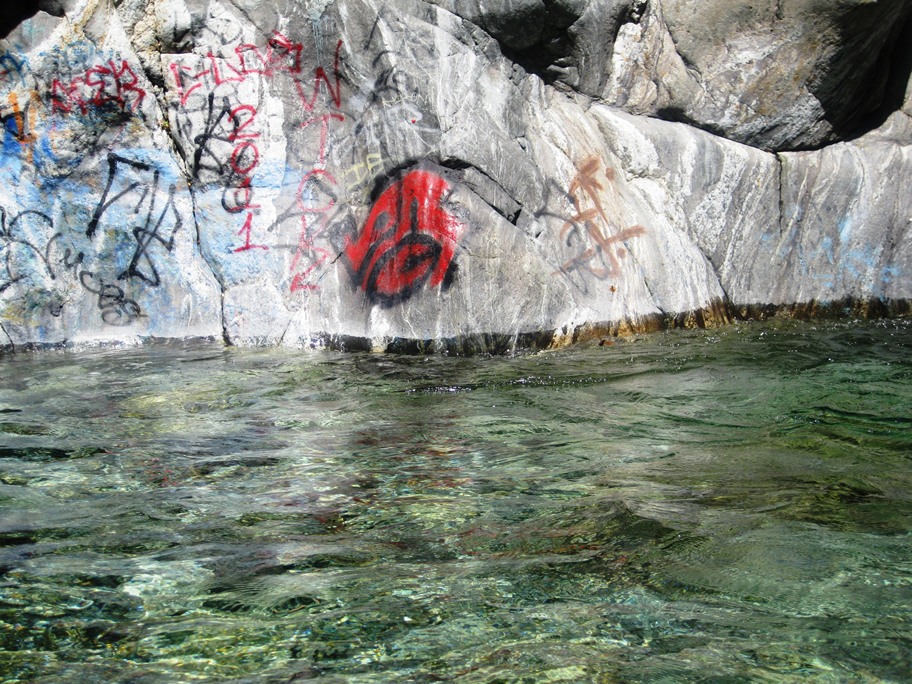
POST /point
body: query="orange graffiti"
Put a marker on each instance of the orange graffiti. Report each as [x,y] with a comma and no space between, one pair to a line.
[601,253]
[23,121]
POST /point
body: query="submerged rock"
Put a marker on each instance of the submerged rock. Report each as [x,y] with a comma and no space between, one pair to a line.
[444,175]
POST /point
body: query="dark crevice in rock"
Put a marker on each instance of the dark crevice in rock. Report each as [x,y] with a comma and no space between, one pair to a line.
[7,348]
[197,238]
[176,148]
[539,60]
[780,174]
[635,11]
[715,272]
[877,87]
[14,12]
[652,297]
[280,341]
[455,164]
[895,63]
[156,78]
[213,268]
[690,64]
[548,38]
[483,185]
[678,115]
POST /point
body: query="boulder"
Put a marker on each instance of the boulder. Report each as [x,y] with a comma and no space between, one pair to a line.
[774,74]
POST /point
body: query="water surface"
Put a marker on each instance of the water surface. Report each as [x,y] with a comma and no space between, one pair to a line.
[730,505]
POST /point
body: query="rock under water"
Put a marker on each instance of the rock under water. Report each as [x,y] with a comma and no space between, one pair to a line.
[441,175]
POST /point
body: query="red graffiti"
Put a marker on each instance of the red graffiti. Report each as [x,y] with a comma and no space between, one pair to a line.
[316,192]
[324,120]
[282,56]
[246,231]
[320,75]
[100,86]
[316,198]
[409,239]
[186,81]
[245,157]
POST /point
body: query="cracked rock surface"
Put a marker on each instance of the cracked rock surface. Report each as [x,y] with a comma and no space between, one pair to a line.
[447,174]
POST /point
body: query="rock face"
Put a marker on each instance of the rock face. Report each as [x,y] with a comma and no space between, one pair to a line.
[775,74]
[360,174]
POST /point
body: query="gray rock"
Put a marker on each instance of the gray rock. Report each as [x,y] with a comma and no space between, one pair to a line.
[352,174]
[844,229]
[778,75]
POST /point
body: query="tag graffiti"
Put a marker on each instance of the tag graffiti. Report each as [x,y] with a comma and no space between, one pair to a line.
[408,241]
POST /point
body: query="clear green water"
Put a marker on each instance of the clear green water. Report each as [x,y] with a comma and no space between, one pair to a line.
[723,506]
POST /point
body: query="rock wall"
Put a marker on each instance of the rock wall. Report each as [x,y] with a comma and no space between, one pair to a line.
[441,175]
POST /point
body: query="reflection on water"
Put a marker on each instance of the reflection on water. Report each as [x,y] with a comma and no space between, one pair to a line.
[728,505]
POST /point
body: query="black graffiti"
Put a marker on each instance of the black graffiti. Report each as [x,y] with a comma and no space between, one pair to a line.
[205,158]
[141,197]
[226,151]
[116,308]
[218,29]
[392,85]
[9,236]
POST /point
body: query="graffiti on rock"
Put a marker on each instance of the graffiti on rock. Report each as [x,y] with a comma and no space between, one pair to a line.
[316,194]
[226,151]
[130,201]
[91,91]
[225,148]
[316,198]
[12,67]
[116,308]
[281,56]
[111,85]
[19,124]
[332,85]
[601,247]
[18,247]
[27,136]
[358,174]
[396,117]
[24,257]
[408,240]
[134,203]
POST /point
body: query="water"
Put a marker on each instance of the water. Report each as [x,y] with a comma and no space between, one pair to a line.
[730,505]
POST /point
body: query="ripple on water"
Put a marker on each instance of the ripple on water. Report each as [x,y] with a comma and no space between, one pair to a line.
[723,505]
